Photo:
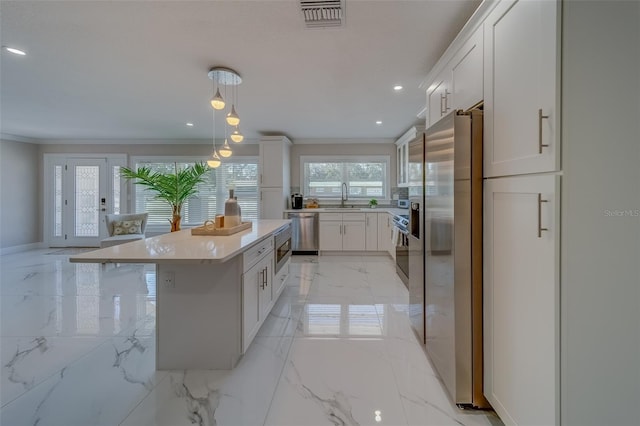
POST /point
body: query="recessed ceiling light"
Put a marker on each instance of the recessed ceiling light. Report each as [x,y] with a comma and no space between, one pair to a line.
[15,51]
[397,87]
[378,122]
[190,124]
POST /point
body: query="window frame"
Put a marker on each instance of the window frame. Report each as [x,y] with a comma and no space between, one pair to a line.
[386,159]
[142,159]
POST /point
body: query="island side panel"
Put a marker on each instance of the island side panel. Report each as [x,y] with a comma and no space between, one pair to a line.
[199,315]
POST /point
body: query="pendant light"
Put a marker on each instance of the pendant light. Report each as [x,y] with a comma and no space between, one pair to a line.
[232,118]
[225,150]
[225,77]
[215,161]
[217,102]
[236,136]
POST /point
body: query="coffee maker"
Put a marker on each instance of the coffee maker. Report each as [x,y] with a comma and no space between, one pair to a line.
[296,201]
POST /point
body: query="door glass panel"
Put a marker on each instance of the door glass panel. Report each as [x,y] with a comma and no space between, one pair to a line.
[116,190]
[57,201]
[87,185]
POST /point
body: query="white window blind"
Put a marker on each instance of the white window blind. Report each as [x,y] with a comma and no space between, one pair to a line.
[240,173]
[366,178]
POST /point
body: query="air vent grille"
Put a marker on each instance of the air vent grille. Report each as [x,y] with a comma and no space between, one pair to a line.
[322,13]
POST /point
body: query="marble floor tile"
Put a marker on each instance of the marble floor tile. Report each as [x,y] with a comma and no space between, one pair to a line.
[336,381]
[77,348]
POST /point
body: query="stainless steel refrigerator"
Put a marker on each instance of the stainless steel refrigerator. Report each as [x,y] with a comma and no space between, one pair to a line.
[416,236]
[453,254]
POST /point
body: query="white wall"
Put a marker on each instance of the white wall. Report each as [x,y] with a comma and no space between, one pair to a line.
[20,205]
[600,268]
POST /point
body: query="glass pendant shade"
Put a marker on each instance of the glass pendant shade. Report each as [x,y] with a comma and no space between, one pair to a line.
[232,117]
[225,150]
[236,136]
[214,162]
[217,102]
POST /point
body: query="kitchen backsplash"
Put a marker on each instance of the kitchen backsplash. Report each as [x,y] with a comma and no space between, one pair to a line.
[402,194]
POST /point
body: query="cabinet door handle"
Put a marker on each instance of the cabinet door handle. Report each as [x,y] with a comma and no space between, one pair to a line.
[345,229]
[540,228]
[340,229]
[266,280]
[446,101]
[442,99]
[540,144]
[261,275]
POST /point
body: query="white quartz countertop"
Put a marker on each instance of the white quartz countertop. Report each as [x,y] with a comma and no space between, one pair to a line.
[392,210]
[182,247]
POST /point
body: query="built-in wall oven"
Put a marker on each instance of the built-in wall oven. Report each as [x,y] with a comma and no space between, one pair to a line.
[401,241]
[282,247]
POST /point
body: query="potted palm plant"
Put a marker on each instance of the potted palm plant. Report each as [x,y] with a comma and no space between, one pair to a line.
[174,188]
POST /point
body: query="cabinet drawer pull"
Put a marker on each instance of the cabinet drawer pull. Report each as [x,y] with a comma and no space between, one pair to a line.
[540,144]
[540,228]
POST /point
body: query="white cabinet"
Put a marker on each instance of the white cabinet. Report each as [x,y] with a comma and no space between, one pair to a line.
[265,285]
[257,295]
[385,230]
[275,184]
[521,76]
[371,232]
[251,280]
[353,234]
[439,96]
[459,84]
[521,297]
[342,231]
[467,72]
[330,235]
[402,159]
[272,203]
[279,280]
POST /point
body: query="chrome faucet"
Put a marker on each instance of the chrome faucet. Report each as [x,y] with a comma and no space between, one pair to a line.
[345,194]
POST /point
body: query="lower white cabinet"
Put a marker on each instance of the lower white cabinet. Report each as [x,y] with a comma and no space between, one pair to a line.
[521,298]
[371,232]
[385,230]
[342,231]
[279,280]
[256,296]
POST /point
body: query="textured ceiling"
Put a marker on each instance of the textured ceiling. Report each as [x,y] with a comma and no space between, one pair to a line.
[138,69]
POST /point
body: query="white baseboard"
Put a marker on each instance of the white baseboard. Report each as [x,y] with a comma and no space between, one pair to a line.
[21,248]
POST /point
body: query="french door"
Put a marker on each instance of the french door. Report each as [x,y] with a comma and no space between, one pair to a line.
[79,193]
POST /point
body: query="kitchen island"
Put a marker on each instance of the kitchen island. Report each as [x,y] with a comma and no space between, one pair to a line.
[213,292]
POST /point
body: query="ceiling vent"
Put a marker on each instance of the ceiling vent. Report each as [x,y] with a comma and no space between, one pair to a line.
[323,13]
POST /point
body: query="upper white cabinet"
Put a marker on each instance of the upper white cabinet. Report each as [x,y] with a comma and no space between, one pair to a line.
[402,145]
[520,88]
[439,99]
[458,85]
[467,72]
[275,184]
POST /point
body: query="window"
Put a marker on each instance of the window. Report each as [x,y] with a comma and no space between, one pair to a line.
[240,173]
[366,177]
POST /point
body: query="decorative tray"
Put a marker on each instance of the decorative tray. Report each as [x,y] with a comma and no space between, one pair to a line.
[209,229]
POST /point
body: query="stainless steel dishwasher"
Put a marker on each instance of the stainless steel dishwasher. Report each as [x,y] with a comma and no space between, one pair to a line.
[304,232]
